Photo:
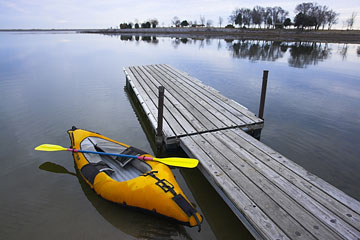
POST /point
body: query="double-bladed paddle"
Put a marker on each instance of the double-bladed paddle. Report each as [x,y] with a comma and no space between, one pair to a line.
[171,161]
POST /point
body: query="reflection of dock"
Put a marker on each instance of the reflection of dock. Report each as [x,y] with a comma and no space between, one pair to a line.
[273,196]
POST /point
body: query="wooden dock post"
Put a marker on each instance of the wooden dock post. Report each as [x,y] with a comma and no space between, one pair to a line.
[263,94]
[257,133]
[159,130]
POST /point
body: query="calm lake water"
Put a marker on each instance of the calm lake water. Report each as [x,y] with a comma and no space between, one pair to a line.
[50,82]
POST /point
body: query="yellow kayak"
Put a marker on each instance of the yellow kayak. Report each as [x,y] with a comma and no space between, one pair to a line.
[148,185]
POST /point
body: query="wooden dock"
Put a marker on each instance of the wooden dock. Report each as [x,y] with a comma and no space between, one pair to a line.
[190,107]
[274,197]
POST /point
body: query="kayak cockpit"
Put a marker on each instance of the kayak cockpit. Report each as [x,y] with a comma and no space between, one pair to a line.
[118,168]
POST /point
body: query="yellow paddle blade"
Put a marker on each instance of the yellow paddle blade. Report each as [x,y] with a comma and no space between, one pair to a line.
[50,148]
[178,162]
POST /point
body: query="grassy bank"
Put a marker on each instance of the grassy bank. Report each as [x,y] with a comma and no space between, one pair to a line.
[334,36]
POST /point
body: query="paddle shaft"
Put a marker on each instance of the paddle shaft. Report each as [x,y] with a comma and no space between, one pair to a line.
[110,154]
[172,161]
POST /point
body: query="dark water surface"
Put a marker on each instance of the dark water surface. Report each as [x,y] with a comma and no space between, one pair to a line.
[50,82]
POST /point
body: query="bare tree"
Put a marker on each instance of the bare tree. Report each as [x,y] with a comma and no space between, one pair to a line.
[279,15]
[246,16]
[319,13]
[257,15]
[176,21]
[209,23]
[202,20]
[220,21]
[274,16]
[331,18]
[350,21]
[267,18]
[314,15]
[154,22]
[234,16]
[304,8]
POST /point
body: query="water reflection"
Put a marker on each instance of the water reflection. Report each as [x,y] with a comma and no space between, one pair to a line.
[127,220]
[130,221]
[343,50]
[146,38]
[55,168]
[300,54]
[308,53]
[258,50]
[126,38]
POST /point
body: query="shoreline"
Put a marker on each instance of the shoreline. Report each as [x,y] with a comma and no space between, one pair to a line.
[328,36]
[291,35]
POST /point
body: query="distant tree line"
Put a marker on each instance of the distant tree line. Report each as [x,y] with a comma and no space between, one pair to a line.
[268,16]
[308,15]
[176,22]
[153,23]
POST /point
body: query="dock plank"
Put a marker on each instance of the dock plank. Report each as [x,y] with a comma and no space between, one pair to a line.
[211,95]
[334,192]
[305,216]
[217,120]
[195,116]
[305,200]
[261,200]
[200,101]
[173,114]
[297,178]
[255,215]
[277,204]
[146,98]
[148,106]
[234,107]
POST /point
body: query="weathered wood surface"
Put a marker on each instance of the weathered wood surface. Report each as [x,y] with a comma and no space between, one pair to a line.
[279,198]
[273,196]
[190,107]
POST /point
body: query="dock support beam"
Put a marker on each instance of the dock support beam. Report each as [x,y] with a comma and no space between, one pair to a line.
[159,138]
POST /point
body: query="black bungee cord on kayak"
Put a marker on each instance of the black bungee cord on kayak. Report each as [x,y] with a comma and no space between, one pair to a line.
[166,186]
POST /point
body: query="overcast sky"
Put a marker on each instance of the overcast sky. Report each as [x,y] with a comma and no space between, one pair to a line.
[110,13]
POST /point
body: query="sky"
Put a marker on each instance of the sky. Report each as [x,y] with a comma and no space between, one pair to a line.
[28,14]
